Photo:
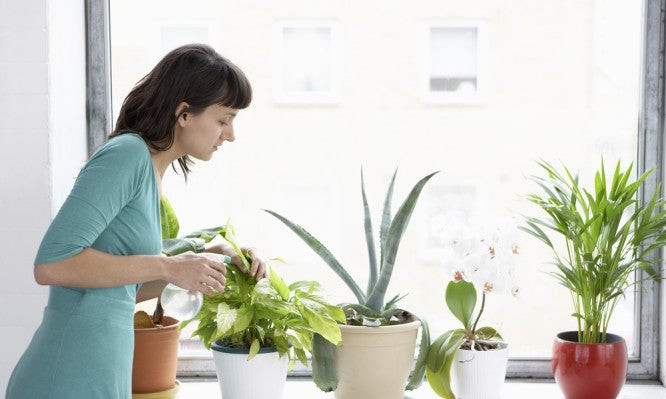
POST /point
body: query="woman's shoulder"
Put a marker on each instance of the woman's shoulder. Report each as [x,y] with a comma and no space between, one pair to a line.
[128,147]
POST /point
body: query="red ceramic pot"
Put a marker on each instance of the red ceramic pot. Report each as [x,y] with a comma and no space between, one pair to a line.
[589,371]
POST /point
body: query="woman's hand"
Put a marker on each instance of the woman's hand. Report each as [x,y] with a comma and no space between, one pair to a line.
[258,268]
[196,272]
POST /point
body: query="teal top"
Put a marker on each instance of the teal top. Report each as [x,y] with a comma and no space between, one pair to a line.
[84,345]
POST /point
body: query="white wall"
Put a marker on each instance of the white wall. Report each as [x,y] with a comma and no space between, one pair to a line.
[42,102]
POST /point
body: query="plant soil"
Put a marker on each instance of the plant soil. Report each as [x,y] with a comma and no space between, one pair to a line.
[481,346]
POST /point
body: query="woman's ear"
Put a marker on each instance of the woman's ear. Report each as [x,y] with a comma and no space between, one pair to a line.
[181,113]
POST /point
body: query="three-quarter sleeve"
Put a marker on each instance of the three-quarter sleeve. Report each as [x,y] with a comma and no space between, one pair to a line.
[106,184]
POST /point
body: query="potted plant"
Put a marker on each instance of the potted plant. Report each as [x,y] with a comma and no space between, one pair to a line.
[379,340]
[257,330]
[470,362]
[156,337]
[608,237]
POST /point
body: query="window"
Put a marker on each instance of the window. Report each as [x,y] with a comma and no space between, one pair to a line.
[307,62]
[454,61]
[542,90]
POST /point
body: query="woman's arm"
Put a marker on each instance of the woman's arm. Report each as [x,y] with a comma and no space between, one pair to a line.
[150,290]
[91,268]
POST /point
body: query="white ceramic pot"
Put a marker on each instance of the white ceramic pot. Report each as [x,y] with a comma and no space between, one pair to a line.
[479,374]
[263,377]
[374,362]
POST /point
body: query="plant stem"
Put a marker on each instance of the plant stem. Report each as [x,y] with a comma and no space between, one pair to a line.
[483,305]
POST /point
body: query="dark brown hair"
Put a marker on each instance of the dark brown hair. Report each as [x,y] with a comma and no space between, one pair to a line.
[195,74]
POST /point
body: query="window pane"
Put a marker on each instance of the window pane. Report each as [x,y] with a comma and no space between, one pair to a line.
[562,83]
[453,59]
[306,59]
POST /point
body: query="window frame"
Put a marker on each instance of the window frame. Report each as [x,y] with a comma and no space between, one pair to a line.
[650,155]
[282,96]
[436,97]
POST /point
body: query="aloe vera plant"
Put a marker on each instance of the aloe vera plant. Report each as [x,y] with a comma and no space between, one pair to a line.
[371,308]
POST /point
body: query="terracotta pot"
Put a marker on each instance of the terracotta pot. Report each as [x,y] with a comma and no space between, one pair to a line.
[589,371]
[262,377]
[374,362]
[155,357]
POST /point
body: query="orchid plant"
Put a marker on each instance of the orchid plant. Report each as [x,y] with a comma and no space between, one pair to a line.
[477,259]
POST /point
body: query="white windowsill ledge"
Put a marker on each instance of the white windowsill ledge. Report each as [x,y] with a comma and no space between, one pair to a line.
[305,389]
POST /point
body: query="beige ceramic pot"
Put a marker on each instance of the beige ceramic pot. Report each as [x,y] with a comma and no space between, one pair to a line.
[374,362]
[155,357]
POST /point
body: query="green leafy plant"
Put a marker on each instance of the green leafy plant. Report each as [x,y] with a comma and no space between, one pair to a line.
[608,235]
[251,314]
[371,308]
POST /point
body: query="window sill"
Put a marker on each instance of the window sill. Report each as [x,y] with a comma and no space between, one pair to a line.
[304,388]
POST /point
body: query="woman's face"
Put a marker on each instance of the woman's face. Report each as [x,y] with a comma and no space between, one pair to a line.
[199,135]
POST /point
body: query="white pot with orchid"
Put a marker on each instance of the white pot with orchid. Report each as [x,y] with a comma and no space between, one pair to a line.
[470,362]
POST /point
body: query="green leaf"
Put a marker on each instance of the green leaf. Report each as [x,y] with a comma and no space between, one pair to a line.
[324,373]
[225,319]
[461,300]
[442,356]
[176,246]
[300,354]
[386,218]
[168,219]
[398,226]
[254,349]
[487,333]
[325,326]
[229,235]
[324,253]
[419,369]
[279,285]
[369,239]
[304,286]
[244,316]
[206,234]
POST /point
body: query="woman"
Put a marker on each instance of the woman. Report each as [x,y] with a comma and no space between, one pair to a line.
[101,253]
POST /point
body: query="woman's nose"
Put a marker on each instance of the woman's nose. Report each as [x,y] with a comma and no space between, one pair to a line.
[228,133]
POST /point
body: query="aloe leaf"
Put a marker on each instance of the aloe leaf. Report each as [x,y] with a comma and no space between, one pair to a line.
[369,239]
[461,300]
[396,230]
[324,253]
[393,301]
[386,219]
[324,372]
[360,309]
[419,369]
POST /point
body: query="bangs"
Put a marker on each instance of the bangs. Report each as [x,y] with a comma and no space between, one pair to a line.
[236,91]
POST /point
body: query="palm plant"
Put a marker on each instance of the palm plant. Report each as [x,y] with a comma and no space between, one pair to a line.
[609,236]
[371,308]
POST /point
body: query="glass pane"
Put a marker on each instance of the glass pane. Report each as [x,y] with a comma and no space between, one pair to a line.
[453,58]
[306,59]
[562,85]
